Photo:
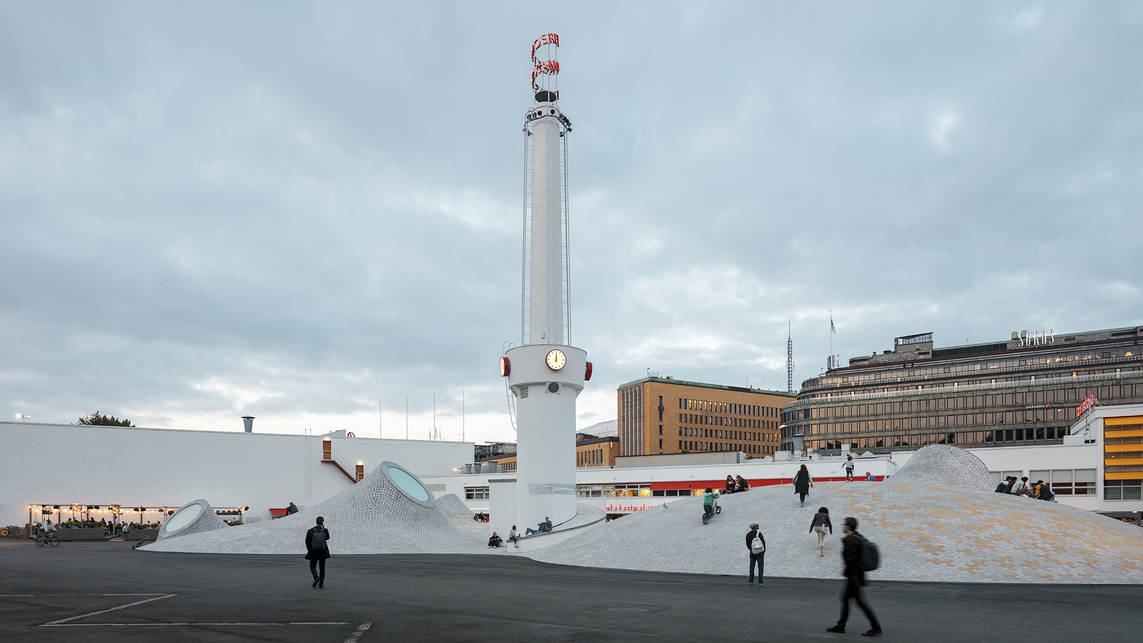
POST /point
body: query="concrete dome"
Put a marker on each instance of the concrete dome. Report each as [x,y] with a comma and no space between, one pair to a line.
[941,465]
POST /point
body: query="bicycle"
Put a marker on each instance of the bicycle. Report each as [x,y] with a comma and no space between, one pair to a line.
[50,538]
[146,539]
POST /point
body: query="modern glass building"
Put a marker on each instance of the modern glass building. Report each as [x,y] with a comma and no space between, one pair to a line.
[1023,391]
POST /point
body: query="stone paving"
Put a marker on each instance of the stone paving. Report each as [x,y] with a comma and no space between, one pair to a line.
[372,517]
[923,533]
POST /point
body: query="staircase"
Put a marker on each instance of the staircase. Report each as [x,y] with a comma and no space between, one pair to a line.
[330,456]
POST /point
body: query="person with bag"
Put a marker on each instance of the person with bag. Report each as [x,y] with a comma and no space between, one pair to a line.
[317,550]
[756,545]
[819,524]
[802,484]
[860,556]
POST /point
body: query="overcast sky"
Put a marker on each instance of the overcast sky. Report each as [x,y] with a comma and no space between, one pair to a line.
[297,210]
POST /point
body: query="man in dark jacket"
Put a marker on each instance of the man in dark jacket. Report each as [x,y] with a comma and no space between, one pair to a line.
[317,550]
[292,509]
[854,580]
[759,558]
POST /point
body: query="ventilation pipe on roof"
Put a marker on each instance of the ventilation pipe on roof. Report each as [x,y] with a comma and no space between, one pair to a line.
[248,422]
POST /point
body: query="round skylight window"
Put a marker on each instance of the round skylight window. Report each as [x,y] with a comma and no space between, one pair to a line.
[408,484]
[183,517]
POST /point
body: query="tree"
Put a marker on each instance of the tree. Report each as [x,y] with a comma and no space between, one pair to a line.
[103,420]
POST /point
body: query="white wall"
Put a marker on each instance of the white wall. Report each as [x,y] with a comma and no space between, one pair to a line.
[99,465]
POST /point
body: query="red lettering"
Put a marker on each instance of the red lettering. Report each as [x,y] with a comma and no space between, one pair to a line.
[554,39]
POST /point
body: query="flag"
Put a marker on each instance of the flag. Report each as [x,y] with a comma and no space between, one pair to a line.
[832,330]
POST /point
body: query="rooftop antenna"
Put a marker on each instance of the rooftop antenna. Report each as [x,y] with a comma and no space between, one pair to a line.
[462,415]
[790,357]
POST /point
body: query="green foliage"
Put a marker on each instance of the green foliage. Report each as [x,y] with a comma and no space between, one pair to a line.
[103,420]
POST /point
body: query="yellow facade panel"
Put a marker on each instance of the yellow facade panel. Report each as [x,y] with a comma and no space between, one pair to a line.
[1133,433]
[1124,475]
[1122,462]
[1120,448]
[1127,419]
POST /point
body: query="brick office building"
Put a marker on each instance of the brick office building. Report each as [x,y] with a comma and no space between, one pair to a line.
[660,415]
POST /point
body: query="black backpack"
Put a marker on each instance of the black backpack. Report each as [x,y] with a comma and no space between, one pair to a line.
[870,558]
[1002,487]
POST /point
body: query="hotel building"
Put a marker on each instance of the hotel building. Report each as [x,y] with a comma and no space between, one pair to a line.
[1023,391]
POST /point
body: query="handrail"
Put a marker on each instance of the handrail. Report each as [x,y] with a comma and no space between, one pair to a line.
[337,460]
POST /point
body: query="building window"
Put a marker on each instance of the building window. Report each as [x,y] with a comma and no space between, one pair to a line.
[476,493]
[1122,489]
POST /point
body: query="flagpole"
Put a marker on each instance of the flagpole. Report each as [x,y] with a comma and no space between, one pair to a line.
[831,335]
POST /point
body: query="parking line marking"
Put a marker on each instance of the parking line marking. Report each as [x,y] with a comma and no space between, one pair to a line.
[360,630]
[111,609]
[27,595]
[204,624]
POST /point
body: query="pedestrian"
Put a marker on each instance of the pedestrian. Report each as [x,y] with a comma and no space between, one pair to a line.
[851,552]
[512,537]
[820,524]
[869,477]
[756,545]
[802,484]
[494,541]
[708,501]
[317,550]
[292,509]
[849,468]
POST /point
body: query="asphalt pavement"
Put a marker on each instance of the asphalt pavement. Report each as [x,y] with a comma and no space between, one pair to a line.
[106,591]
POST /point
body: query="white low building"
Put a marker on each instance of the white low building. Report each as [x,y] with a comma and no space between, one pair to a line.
[1077,470]
[99,466]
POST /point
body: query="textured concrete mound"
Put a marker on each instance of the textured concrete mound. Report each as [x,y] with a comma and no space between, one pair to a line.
[941,465]
[375,516]
[925,533]
[192,518]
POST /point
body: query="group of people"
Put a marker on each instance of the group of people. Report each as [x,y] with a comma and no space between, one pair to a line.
[856,556]
[543,527]
[1039,490]
[734,484]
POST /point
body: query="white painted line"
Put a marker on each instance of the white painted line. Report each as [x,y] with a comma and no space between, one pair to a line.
[191,624]
[25,595]
[111,609]
[360,630]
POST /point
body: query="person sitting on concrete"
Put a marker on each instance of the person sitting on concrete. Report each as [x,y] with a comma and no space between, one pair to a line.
[1044,491]
[1019,487]
[869,477]
[292,509]
[494,541]
[541,528]
[729,486]
[740,484]
[512,537]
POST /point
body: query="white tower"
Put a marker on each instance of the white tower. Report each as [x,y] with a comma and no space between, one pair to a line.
[545,373]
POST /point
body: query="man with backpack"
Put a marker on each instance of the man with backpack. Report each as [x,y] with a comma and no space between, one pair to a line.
[317,550]
[756,544]
[860,556]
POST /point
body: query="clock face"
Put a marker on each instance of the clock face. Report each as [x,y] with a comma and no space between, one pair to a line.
[505,367]
[556,359]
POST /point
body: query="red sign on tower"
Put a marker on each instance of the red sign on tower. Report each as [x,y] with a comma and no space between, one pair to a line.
[544,70]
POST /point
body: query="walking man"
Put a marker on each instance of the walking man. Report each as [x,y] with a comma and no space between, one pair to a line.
[854,580]
[849,468]
[317,551]
[756,545]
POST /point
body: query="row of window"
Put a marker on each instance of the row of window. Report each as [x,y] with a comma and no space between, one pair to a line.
[702,445]
[725,407]
[931,422]
[725,434]
[589,457]
[990,365]
[1041,397]
[1064,482]
[1122,489]
[476,493]
[694,418]
[922,439]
